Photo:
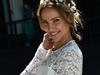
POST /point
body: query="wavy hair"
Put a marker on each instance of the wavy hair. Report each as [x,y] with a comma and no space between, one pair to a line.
[67,9]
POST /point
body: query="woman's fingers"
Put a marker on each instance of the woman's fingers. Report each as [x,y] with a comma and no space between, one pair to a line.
[47,42]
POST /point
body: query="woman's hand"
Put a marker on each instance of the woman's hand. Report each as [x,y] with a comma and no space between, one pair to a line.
[47,42]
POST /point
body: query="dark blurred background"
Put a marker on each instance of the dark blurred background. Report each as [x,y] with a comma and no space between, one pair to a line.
[20,35]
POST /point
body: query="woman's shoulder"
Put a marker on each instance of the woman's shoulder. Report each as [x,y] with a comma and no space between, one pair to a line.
[72,48]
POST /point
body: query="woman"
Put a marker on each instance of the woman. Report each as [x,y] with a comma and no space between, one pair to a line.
[58,54]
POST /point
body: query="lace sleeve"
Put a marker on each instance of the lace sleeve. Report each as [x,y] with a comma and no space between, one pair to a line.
[35,62]
[73,63]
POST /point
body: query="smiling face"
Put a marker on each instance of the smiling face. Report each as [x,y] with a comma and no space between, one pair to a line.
[55,26]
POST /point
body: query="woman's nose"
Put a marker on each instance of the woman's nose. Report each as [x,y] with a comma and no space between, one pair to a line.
[51,28]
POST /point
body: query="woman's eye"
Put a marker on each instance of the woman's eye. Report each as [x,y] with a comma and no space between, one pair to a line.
[56,20]
[45,23]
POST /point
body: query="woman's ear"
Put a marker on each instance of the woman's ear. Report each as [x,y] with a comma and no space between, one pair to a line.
[71,18]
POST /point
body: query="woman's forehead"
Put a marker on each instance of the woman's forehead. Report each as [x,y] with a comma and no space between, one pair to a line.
[49,9]
[50,13]
[53,13]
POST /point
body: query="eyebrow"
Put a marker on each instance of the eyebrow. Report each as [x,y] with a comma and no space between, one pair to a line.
[43,20]
[54,18]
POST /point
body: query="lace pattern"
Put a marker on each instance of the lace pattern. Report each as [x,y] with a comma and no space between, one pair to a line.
[67,60]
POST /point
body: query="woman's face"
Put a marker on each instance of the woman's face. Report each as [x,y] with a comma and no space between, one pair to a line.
[55,26]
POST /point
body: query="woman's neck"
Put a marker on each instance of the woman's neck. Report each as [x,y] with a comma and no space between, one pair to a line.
[60,44]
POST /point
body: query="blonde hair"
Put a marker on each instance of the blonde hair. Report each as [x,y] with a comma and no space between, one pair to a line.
[64,7]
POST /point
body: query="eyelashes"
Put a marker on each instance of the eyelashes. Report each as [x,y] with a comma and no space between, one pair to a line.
[56,20]
[53,21]
[46,23]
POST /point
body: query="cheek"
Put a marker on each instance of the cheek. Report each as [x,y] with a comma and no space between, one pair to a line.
[65,29]
[44,29]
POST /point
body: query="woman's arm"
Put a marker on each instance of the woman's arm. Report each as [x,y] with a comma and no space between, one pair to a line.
[74,62]
[42,53]
[35,62]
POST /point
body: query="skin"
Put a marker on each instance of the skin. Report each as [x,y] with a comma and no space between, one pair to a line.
[56,28]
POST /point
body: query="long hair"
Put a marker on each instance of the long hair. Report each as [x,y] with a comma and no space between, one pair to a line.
[67,9]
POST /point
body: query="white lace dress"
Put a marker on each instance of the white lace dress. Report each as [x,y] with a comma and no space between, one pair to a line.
[66,60]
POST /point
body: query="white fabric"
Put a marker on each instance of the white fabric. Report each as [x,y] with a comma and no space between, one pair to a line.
[66,60]
[45,70]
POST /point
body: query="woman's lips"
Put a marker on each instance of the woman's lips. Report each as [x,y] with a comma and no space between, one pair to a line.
[54,34]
